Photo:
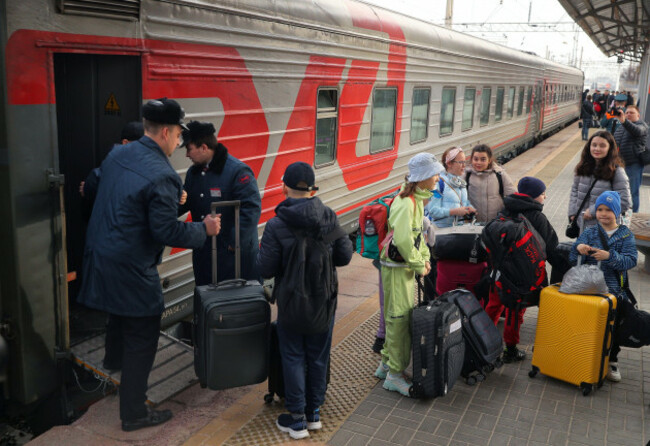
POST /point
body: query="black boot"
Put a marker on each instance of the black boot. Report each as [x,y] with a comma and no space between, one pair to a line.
[513,354]
[378,345]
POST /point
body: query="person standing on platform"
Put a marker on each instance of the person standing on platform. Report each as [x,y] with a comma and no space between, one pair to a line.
[487,183]
[600,166]
[610,246]
[587,115]
[134,217]
[305,356]
[631,139]
[449,202]
[399,266]
[529,202]
[218,176]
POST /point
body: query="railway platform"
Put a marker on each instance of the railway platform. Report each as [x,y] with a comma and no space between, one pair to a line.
[508,408]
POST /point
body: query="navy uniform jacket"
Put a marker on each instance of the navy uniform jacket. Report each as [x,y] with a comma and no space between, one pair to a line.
[225,179]
[134,217]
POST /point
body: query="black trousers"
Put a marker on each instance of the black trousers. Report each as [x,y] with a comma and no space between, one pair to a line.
[132,342]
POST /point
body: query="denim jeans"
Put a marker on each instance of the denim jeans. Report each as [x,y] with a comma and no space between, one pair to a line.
[586,124]
[635,175]
[304,368]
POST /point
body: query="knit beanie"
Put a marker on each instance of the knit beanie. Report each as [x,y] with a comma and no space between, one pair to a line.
[612,200]
[531,186]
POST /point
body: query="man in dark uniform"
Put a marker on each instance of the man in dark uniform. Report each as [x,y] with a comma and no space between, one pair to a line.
[134,217]
[218,176]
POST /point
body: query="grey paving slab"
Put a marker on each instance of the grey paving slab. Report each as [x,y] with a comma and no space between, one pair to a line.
[509,408]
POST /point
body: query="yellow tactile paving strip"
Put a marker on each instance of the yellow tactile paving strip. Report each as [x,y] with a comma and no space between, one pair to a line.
[251,422]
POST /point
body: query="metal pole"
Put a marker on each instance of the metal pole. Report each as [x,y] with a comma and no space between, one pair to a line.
[449,14]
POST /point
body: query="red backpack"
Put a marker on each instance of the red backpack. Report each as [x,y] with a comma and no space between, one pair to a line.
[373,225]
[517,256]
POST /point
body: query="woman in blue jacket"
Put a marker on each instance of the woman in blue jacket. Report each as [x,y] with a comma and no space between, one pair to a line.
[449,201]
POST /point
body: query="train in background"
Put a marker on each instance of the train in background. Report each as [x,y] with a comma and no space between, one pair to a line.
[353,89]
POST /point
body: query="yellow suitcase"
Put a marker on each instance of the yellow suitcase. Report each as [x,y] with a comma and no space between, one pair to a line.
[573,337]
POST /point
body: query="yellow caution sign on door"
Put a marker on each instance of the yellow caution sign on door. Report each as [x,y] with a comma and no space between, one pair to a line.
[112,107]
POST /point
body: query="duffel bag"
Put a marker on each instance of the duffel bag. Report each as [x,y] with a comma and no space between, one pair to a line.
[460,242]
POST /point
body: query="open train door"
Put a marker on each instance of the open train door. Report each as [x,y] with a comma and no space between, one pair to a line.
[96,95]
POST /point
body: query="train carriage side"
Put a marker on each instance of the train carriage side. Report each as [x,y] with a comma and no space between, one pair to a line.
[562,94]
[356,92]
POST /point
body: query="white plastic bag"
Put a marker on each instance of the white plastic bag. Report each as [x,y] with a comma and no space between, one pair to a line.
[584,279]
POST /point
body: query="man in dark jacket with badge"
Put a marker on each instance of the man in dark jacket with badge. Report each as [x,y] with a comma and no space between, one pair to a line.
[134,217]
[218,176]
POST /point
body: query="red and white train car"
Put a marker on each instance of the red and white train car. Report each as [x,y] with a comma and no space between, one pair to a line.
[350,88]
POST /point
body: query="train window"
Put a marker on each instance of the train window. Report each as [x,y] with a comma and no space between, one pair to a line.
[326,124]
[486,96]
[420,114]
[511,101]
[382,124]
[498,111]
[520,104]
[468,108]
[528,99]
[447,110]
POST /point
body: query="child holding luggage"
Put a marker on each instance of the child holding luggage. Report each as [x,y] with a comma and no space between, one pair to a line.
[613,246]
[406,255]
[529,202]
[301,211]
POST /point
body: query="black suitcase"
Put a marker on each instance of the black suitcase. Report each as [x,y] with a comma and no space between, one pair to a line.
[232,324]
[276,378]
[483,341]
[438,348]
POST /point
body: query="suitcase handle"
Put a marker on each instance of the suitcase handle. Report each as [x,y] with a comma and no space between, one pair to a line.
[230,283]
[213,210]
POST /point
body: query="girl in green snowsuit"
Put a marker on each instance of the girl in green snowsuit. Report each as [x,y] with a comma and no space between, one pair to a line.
[405,221]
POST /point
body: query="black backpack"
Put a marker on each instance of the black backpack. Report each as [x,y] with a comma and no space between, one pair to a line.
[306,292]
[517,255]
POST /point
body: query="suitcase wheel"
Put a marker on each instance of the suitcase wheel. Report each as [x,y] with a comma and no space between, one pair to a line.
[480,377]
[488,368]
[498,363]
[471,380]
[268,398]
[586,389]
[533,372]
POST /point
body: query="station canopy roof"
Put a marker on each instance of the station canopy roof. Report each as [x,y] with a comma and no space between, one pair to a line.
[617,27]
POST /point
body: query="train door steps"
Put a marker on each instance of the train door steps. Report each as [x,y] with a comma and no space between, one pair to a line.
[173,369]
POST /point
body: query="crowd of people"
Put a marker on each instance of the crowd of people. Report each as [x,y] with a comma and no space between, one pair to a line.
[602,197]
[135,198]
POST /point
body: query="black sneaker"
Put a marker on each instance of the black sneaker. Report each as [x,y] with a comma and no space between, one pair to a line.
[153,418]
[513,354]
[378,345]
[295,427]
[313,420]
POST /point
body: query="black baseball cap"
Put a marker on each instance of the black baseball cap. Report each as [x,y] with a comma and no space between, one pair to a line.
[299,172]
[197,130]
[164,111]
[132,131]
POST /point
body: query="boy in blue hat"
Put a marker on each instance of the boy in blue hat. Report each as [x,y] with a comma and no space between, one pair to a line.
[612,245]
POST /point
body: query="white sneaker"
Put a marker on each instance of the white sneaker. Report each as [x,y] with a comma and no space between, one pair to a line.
[382,370]
[614,373]
[397,383]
